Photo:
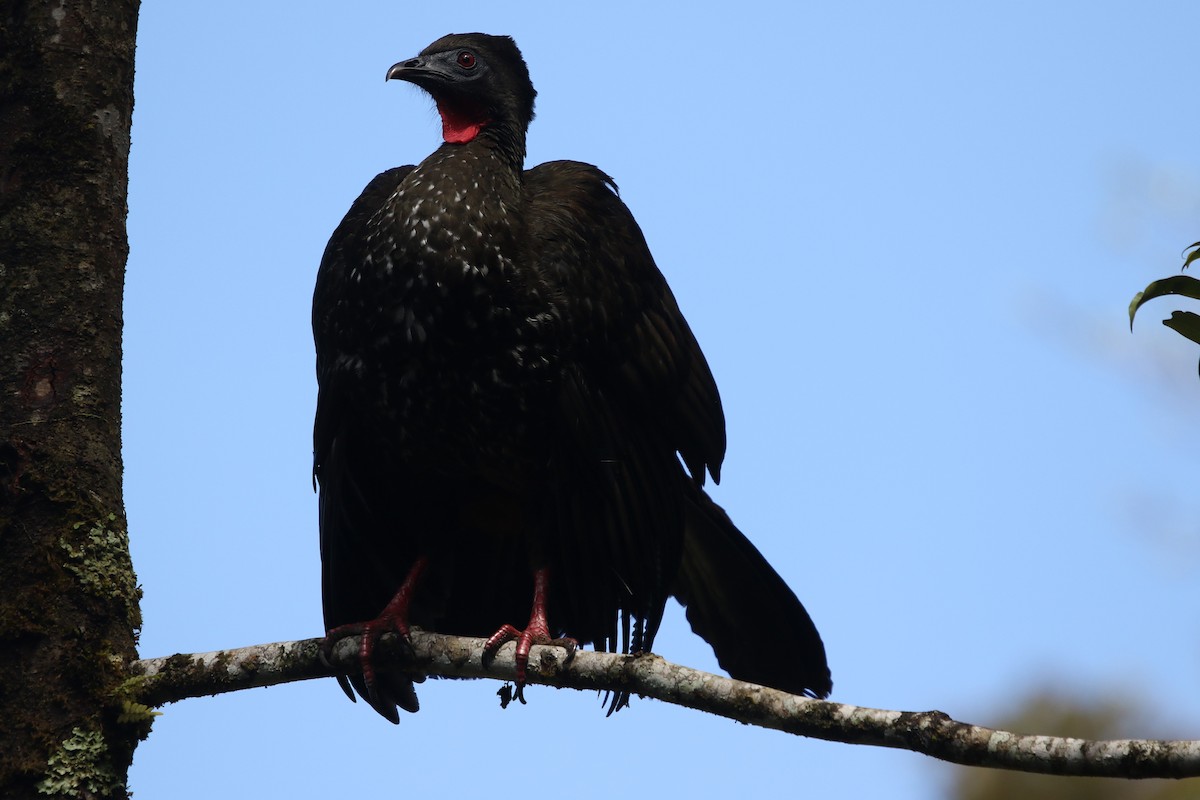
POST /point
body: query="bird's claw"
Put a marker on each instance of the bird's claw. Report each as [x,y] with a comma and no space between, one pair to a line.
[534,634]
[370,632]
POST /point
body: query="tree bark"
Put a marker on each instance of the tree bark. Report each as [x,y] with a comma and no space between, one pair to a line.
[69,607]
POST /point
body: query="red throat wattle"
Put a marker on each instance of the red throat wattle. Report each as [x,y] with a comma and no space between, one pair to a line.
[460,125]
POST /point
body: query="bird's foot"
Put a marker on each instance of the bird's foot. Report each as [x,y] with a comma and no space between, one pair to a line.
[526,639]
[536,632]
[371,632]
[393,619]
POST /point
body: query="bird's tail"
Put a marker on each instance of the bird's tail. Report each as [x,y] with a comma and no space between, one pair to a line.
[741,606]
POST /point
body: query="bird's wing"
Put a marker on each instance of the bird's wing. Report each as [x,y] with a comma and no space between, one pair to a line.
[334,346]
[347,247]
[626,328]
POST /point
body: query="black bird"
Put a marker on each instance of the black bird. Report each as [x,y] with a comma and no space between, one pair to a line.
[507,392]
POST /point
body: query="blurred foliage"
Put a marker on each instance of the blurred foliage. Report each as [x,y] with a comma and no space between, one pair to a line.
[1057,713]
[1185,323]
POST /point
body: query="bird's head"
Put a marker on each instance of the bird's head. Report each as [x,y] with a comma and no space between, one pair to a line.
[476,80]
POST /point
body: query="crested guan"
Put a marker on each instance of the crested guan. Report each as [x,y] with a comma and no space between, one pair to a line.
[514,420]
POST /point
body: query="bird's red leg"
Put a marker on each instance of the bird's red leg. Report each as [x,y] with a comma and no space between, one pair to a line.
[393,619]
[536,632]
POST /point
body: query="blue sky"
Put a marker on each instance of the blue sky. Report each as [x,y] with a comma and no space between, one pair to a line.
[906,237]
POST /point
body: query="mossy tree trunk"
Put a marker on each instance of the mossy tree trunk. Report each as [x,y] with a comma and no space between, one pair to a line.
[68,596]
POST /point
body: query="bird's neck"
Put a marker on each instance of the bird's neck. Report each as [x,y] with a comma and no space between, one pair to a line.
[508,142]
[461,124]
[466,124]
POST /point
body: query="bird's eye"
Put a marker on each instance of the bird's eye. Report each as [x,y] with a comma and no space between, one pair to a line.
[466,59]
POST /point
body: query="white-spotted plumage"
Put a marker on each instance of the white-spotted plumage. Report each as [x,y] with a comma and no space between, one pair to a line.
[507,387]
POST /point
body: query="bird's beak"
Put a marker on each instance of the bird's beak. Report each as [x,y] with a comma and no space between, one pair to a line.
[430,72]
[404,69]
[421,70]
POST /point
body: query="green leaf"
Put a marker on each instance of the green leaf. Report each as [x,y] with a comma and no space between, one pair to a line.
[1179,284]
[1192,256]
[1185,323]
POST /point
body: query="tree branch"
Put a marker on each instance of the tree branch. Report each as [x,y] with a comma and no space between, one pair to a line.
[932,733]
